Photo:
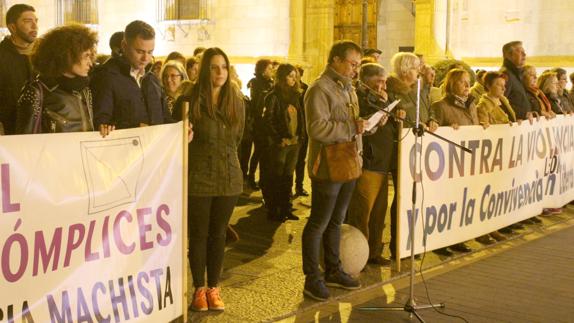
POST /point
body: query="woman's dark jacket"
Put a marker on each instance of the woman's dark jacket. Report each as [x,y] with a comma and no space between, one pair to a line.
[276,117]
[259,88]
[66,106]
[214,168]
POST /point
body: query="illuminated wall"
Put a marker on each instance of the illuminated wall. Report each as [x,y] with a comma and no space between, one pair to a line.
[476,30]
[395,28]
[243,28]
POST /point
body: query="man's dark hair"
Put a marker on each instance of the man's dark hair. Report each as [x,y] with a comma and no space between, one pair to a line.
[370,51]
[198,50]
[572,77]
[16,11]
[509,47]
[261,65]
[340,49]
[559,72]
[175,56]
[138,28]
[300,69]
[116,40]
[191,62]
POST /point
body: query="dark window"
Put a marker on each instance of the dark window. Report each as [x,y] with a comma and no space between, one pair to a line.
[173,10]
[77,11]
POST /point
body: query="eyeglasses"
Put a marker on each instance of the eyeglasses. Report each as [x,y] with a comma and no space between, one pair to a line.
[173,76]
[354,64]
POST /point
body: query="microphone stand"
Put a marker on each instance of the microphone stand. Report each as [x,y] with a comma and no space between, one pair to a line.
[411,306]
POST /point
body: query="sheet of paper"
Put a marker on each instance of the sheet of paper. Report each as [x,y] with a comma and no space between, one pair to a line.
[375,118]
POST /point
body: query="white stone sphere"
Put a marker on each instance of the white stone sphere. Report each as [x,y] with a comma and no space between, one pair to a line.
[354,250]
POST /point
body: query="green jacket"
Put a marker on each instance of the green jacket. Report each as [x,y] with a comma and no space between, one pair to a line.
[214,168]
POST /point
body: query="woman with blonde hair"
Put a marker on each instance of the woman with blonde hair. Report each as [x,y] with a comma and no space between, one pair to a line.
[537,98]
[548,84]
[172,77]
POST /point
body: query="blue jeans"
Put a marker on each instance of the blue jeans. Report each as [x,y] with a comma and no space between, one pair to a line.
[329,203]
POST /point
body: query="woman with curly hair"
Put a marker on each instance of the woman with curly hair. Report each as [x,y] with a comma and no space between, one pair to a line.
[59,99]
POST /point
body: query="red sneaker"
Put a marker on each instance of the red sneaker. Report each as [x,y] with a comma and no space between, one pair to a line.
[214,300]
[199,303]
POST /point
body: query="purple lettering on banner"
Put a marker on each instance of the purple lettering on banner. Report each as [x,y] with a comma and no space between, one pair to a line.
[99,286]
[144,228]
[156,274]
[163,241]
[7,205]
[6,271]
[436,174]
[40,251]
[105,237]
[125,249]
[133,296]
[63,315]
[83,313]
[121,298]
[147,309]
[88,254]
[72,243]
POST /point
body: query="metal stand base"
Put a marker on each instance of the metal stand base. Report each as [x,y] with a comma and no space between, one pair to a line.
[410,307]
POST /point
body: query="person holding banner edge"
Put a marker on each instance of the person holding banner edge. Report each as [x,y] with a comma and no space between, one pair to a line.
[455,109]
[215,177]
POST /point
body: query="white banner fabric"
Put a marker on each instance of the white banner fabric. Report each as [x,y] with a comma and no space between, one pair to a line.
[512,173]
[90,227]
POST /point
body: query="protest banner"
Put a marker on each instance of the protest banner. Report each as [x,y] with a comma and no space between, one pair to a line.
[90,227]
[512,173]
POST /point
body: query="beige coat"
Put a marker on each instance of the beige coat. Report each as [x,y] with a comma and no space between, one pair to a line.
[450,110]
[491,113]
[331,107]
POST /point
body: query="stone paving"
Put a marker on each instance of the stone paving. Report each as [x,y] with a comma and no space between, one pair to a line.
[262,280]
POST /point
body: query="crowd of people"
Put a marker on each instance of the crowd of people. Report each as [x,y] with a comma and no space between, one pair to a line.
[52,84]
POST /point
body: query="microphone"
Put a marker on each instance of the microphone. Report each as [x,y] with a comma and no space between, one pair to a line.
[370,93]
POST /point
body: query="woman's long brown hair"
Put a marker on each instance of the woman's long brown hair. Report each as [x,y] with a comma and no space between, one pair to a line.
[229,98]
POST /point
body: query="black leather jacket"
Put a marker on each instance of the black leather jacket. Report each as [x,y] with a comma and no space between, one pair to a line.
[276,118]
[45,106]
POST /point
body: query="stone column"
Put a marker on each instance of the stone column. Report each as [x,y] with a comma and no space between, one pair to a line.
[319,33]
[431,29]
